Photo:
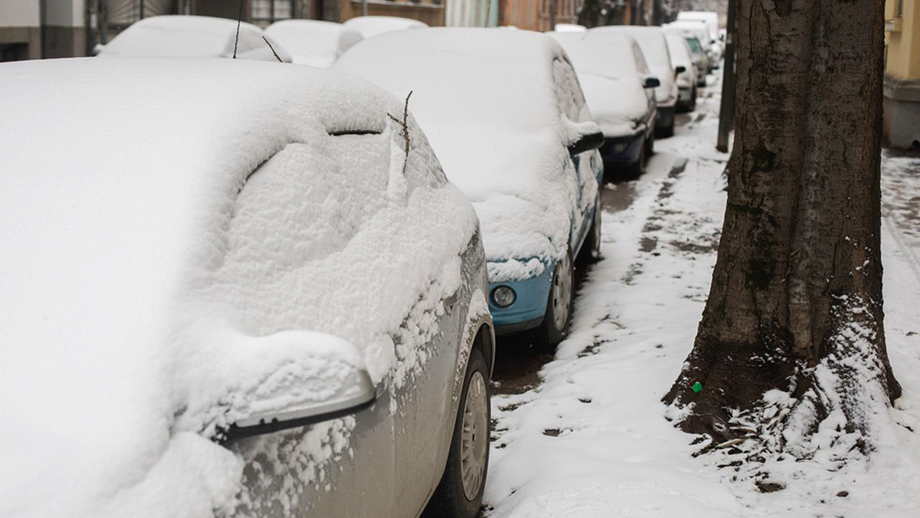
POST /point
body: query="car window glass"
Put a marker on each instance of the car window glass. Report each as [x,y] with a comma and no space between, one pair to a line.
[296,212]
[641,65]
[569,96]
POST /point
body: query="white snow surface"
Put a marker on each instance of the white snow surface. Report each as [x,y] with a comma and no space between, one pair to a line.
[146,299]
[192,37]
[313,42]
[655,49]
[680,56]
[486,101]
[591,440]
[369,26]
[610,80]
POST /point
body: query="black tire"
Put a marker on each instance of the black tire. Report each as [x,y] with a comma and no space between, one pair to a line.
[551,331]
[668,131]
[591,250]
[449,499]
[637,168]
[692,106]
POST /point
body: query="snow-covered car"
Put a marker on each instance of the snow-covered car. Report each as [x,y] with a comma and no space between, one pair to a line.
[233,289]
[313,42]
[655,49]
[686,77]
[699,57]
[698,30]
[507,117]
[620,92]
[710,19]
[369,26]
[193,37]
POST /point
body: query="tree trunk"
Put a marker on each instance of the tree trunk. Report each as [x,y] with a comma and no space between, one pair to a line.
[796,297]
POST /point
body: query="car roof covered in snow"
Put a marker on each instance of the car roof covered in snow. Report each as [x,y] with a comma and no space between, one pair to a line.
[141,285]
[608,55]
[191,36]
[313,42]
[373,25]
[608,72]
[487,99]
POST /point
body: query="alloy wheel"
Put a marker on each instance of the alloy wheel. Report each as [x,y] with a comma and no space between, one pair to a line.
[474,440]
[562,292]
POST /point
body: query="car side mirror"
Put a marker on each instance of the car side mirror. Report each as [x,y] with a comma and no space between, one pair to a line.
[586,143]
[679,69]
[651,82]
[355,393]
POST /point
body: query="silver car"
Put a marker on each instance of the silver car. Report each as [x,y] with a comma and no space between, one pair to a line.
[233,289]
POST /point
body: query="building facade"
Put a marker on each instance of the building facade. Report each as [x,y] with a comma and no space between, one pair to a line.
[901,125]
[32,29]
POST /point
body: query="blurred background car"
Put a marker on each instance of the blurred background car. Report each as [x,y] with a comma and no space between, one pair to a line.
[276,303]
[695,29]
[700,59]
[313,42]
[620,92]
[686,79]
[507,118]
[193,36]
[655,50]
[369,26]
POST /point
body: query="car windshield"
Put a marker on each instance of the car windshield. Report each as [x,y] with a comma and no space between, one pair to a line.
[694,44]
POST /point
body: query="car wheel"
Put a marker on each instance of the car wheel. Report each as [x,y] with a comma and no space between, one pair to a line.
[559,306]
[692,106]
[638,167]
[591,250]
[459,494]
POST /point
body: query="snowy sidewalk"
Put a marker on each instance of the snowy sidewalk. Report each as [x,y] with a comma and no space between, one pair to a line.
[592,440]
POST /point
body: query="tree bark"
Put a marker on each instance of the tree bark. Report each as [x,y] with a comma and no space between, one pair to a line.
[796,296]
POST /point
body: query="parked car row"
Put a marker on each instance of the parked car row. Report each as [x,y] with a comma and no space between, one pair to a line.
[239,288]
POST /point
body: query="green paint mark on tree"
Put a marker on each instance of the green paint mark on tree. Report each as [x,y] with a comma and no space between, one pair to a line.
[697,387]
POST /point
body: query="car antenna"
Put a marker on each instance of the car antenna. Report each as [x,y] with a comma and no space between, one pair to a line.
[239,21]
[273,49]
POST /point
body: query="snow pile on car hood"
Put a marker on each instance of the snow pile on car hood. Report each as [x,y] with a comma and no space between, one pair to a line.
[607,72]
[486,100]
[313,42]
[118,203]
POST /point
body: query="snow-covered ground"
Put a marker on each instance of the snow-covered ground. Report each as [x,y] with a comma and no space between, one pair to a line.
[591,439]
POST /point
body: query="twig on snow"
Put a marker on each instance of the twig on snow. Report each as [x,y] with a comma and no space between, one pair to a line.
[404,124]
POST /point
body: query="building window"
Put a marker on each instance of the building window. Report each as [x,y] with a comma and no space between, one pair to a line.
[266,12]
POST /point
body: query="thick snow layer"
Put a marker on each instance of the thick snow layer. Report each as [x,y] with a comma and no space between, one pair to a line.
[313,42]
[691,28]
[369,26]
[609,78]
[147,299]
[655,49]
[191,36]
[592,439]
[680,56]
[486,100]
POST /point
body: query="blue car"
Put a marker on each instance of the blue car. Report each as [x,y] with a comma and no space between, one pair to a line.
[506,115]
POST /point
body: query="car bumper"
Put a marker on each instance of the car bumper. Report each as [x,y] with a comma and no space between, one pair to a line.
[623,150]
[685,96]
[529,306]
